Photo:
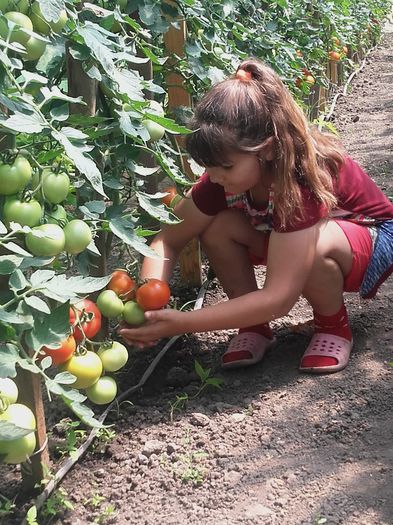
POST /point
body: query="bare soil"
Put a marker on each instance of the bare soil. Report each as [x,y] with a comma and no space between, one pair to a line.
[272,446]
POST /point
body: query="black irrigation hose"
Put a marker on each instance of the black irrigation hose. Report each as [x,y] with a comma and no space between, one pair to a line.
[69,463]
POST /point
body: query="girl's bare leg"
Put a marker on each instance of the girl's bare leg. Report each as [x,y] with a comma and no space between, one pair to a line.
[227,243]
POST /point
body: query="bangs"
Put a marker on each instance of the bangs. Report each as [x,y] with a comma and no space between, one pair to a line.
[211,146]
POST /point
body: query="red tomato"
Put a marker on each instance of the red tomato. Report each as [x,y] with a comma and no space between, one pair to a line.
[122,284]
[153,295]
[63,353]
[89,318]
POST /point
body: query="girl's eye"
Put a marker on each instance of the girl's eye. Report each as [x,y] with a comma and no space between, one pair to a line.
[227,167]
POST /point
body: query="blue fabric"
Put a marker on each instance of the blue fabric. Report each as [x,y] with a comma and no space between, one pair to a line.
[381,262]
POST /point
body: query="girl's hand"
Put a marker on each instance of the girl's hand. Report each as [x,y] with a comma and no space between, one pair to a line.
[159,324]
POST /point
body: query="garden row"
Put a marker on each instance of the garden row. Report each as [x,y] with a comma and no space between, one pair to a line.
[94,100]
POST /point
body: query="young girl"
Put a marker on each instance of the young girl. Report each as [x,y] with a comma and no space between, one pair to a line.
[278,193]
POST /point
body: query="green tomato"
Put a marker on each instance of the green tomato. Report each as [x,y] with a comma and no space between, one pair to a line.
[156,131]
[78,236]
[87,368]
[55,186]
[20,415]
[41,25]
[18,450]
[103,391]
[133,314]
[21,21]
[14,177]
[109,304]
[46,240]
[113,356]
[34,49]
[8,390]
[25,213]
[57,215]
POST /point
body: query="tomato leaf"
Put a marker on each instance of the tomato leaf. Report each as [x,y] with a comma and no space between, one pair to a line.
[9,431]
[85,414]
[15,248]
[156,209]
[24,123]
[17,281]
[64,378]
[123,228]
[53,328]
[8,263]
[51,9]
[9,356]
[37,304]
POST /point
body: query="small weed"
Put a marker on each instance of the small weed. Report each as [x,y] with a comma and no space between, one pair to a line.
[204,375]
[74,436]
[320,520]
[56,504]
[106,514]
[31,516]
[193,472]
[6,508]
[104,437]
[95,501]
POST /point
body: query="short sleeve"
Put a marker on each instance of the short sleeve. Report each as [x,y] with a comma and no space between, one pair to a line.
[208,197]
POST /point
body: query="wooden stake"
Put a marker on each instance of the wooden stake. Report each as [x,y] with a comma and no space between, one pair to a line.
[174,39]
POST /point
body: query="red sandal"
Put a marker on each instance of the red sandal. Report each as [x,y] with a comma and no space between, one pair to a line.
[327,345]
[246,348]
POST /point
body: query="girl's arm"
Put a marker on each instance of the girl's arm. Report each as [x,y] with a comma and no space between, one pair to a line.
[170,241]
[290,260]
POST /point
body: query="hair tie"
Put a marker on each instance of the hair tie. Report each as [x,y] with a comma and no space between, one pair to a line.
[243,75]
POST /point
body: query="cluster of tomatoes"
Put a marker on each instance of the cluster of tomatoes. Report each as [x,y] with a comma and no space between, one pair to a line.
[337,51]
[25,197]
[90,368]
[27,16]
[124,299]
[16,450]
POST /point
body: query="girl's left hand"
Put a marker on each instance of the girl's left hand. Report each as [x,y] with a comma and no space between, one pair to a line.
[159,324]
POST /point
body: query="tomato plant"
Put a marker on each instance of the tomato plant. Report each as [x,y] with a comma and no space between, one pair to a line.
[44,26]
[20,22]
[86,368]
[152,295]
[85,318]
[113,356]
[62,352]
[103,391]
[155,130]
[57,215]
[109,304]
[122,284]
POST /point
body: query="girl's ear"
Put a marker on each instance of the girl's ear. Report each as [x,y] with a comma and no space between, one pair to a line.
[267,151]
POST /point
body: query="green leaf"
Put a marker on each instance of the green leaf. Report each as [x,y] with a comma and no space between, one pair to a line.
[85,414]
[83,163]
[77,285]
[37,304]
[24,123]
[169,124]
[15,248]
[14,317]
[7,333]
[8,263]
[27,364]
[51,9]
[54,328]
[156,209]
[124,229]
[40,277]
[3,229]
[9,356]
[17,281]
[64,378]
[9,431]
[54,93]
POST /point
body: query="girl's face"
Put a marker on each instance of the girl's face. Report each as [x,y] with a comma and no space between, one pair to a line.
[240,173]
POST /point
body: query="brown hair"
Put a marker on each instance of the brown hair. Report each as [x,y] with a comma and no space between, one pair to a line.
[241,113]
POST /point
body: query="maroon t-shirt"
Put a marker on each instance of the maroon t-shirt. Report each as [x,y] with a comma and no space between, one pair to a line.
[357,195]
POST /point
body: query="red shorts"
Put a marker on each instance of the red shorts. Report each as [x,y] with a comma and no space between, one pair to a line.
[360,241]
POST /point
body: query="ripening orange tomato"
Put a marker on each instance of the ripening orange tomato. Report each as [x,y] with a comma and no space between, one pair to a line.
[123,285]
[333,55]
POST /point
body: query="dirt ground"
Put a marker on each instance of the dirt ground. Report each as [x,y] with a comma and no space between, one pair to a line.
[272,446]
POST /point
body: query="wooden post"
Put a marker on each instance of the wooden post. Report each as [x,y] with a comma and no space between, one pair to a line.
[333,71]
[30,395]
[174,39]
